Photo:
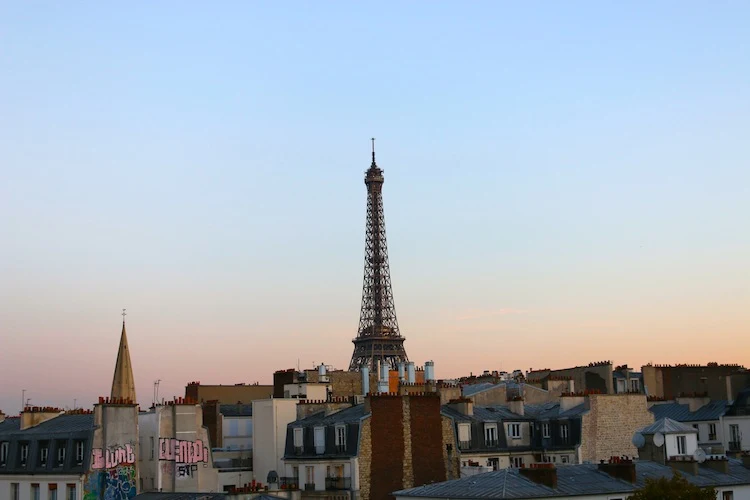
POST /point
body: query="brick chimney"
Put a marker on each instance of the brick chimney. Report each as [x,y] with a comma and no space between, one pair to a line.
[31,416]
[545,474]
[719,464]
[515,404]
[684,464]
[465,406]
[620,468]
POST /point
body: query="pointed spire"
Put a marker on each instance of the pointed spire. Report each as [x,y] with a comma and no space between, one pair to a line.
[123,383]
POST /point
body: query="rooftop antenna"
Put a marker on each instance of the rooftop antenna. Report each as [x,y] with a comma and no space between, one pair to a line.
[156,391]
[373,150]
[23,398]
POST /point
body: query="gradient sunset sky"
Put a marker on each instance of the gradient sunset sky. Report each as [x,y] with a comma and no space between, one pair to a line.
[565,182]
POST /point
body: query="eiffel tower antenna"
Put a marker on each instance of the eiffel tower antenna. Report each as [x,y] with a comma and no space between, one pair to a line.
[378,338]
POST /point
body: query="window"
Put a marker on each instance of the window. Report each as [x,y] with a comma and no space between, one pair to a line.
[490,434]
[52,492]
[697,431]
[635,386]
[152,447]
[564,432]
[24,453]
[564,459]
[464,436]
[514,431]
[309,478]
[712,432]
[14,491]
[298,446]
[320,440]
[35,491]
[43,453]
[494,463]
[681,445]
[60,453]
[3,453]
[531,430]
[516,462]
[340,438]
[545,430]
[79,452]
[295,473]
[727,495]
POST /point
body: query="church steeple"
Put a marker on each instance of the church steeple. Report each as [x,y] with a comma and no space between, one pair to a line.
[123,383]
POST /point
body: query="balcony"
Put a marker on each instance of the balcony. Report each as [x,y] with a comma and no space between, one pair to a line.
[490,443]
[309,486]
[735,445]
[289,483]
[298,450]
[464,445]
[341,448]
[338,483]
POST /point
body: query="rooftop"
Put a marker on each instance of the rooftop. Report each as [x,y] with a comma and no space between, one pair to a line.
[62,424]
[236,410]
[681,412]
[668,426]
[572,480]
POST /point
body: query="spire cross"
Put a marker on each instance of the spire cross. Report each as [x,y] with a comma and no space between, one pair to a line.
[123,315]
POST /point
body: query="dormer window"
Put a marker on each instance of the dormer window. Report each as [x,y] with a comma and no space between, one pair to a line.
[681,445]
[545,430]
[341,438]
[564,433]
[298,446]
[514,431]
[60,453]
[79,452]
[464,436]
[24,454]
[320,440]
[43,453]
[3,453]
[490,434]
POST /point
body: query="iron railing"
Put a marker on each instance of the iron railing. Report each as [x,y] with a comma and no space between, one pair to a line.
[735,446]
[289,483]
[338,483]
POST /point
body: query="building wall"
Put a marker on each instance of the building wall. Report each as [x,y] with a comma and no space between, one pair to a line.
[44,482]
[114,452]
[388,446]
[718,382]
[744,427]
[365,458]
[270,420]
[609,425]
[532,394]
[598,376]
[238,432]
[227,394]
[148,458]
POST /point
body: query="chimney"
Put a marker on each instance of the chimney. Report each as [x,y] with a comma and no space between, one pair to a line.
[545,474]
[730,394]
[402,372]
[694,402]
[429,371]
[515,404]
[465,406]
[684,464]
[719,464]
[2,417]
[365,380]
[411,376]
[570,401]
[31,416]
[619,468]
[383,385]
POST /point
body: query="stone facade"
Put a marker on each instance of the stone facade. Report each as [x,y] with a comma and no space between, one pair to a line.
[714,380]
[608,426]
[594,377]
[227,394]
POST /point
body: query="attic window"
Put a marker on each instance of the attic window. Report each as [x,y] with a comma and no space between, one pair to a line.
[341,438]
[24,454]
[79,452]
[3,453]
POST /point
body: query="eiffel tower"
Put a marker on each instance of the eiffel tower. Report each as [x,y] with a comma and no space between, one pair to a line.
[378,337]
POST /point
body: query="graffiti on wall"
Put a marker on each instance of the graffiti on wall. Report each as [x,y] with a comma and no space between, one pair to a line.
[117,483]
[181,451]
[112,457]
[186,471]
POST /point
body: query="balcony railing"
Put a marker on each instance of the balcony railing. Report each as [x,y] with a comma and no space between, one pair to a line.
[289,483]
[298,450]
[309,486]
[464,445]
[338,483]
[490,443]
[735,446]
[341,448]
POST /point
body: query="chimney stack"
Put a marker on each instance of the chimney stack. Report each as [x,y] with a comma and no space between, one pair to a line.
[411,376]
[402,372]
[465,406]
[719,464]
[31,416]
[620,468]
[545,474]
[515,405]
[365,380]
[429,371]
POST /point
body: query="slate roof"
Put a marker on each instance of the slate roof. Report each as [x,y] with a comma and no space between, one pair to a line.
[668,426]
[572,480]
[182,496]
[236,410]
[470,390]
[62,424]
[349,417]
[681,412]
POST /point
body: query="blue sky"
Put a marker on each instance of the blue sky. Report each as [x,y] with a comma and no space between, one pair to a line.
[564,183]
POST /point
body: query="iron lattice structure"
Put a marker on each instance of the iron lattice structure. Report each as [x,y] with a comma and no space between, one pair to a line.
[378,338]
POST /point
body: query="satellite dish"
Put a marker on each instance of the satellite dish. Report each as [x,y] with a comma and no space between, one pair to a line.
[699,455]
[659,439]
[638,440]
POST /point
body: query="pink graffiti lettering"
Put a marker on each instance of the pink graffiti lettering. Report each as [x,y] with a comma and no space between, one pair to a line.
[112,457]
[186,452]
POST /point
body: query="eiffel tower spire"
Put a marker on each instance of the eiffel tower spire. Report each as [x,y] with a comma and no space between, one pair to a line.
[378,337]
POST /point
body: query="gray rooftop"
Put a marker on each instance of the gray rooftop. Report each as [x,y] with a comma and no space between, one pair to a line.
[668,426]
[572,480]
[681,412]
[348,415]
[236,410]
[62,424]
